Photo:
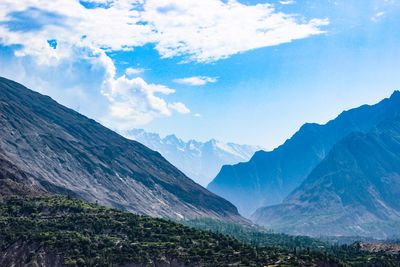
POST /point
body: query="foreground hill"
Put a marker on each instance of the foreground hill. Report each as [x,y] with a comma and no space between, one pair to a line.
[200,161]
[60,231]
[270,176]
[355,190]
[48,148]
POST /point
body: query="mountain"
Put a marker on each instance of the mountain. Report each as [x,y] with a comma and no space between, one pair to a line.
[355,190]
[199,161]
[270,176]
[47,148]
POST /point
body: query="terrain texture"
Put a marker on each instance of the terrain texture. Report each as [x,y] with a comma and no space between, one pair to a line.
[46,148]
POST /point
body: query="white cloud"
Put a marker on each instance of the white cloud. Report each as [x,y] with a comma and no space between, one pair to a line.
[197,115]
[136,102]
[74,82]
[196,80]
[201,31]
[134,71]
[209,30]
[378,16]
[287,2]
[179,107]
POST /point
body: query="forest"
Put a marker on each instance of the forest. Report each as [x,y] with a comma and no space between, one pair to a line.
[79,233]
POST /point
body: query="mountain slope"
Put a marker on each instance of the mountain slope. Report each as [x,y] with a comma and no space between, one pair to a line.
[46,147]
[270,176]
[59,231]
[200,161]
[355,190]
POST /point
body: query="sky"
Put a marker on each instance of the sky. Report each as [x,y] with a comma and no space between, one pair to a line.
[250,72]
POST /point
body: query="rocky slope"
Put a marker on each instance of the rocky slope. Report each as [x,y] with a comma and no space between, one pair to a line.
[45,147]
[270,176]
[200,161]
[355,190]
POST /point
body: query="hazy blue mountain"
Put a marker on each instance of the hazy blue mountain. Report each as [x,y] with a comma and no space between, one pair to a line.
[355,190]
[200,161]
[48,148]
[270,176]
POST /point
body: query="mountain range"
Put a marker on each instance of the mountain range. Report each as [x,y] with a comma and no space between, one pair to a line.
[200,161]
[269,177]
[354,190]
[340,179]
[46,148]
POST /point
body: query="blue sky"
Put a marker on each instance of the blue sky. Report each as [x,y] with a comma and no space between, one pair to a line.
[249,71]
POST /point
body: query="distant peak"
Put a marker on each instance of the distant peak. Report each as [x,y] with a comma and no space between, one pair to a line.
[172,138]
[136,131]
[396,94]
[309,126]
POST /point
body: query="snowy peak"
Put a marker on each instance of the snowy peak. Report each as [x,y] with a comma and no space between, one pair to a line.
[201,161]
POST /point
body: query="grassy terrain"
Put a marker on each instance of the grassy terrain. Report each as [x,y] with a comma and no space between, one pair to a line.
[65,231]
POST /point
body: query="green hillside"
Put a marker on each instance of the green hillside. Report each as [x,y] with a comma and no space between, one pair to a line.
[347,251]
[61,231]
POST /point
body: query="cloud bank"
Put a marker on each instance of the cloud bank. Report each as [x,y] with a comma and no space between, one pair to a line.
[64,34]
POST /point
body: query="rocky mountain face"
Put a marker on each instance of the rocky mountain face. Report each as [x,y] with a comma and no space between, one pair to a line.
[200,161]
[47,148]
[270,176]
[355,190]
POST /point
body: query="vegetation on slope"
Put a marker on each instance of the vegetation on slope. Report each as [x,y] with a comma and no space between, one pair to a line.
[356,254]
[256,235]
[60,231]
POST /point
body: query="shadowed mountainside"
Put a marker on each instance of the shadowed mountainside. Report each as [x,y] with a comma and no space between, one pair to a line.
[355,190]
[45,147]
[270,176]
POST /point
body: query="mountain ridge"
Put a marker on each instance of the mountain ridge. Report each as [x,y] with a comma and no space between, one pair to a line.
[269,176]
[354,190]
[56,150]
[200,161]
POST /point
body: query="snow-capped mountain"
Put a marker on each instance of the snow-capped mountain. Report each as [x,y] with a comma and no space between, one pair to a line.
[200,161]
